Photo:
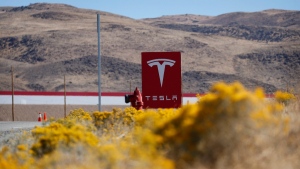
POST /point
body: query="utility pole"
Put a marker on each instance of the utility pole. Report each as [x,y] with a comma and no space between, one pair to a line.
[99,63]
[65,98]
[12,94]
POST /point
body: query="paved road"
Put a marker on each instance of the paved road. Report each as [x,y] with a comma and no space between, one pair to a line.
[10,131]
[9,125]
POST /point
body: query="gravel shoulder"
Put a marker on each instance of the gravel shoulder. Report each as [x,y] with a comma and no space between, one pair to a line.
[26,117]
[9,131]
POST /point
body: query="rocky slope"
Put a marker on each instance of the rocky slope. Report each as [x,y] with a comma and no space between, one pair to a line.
[43,42]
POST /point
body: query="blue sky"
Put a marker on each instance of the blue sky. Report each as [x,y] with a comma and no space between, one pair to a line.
[138,9]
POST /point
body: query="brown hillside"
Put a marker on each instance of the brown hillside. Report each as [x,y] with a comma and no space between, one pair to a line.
[276,18]
[44,42]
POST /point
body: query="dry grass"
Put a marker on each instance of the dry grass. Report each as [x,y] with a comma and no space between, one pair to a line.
[71,34]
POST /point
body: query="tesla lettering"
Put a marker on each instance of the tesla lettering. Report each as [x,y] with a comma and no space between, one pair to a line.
[161,98]
[161,64]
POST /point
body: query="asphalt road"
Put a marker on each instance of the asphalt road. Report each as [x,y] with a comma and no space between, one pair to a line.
[10,131]
[16,125]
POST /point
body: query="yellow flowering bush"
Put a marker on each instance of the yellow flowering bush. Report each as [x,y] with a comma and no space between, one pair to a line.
[103,119]
[129,113]
[129,152]
[222,119]
[78,116]
[153,118]
[15,160]
[284,97]
[51,137]
[116,122]
[226,127]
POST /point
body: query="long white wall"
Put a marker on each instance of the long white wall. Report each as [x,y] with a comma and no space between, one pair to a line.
[74,100]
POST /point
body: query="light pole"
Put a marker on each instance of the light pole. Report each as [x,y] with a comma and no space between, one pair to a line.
[99,63]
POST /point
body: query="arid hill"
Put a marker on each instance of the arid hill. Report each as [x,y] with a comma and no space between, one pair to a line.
[43,42]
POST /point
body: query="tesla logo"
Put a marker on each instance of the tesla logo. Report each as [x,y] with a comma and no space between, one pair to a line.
[161,64]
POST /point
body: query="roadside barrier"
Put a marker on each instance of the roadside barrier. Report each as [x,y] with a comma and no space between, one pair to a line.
[45,116]
[40,117]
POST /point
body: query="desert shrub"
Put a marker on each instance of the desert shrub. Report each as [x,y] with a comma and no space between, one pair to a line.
[224,121]
[117,122]
[152,119]
[78,116]
[117,116]
[75,129]
[56,135]
[230,127]
[18,159]
[284,97]
[122,142]
[136,149]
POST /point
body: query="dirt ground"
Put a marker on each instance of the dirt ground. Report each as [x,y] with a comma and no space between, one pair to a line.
[31,112]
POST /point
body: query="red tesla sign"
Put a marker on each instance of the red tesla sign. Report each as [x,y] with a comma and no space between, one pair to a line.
[161,79]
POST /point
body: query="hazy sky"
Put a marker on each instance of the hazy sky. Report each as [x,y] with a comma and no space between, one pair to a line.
[155,8]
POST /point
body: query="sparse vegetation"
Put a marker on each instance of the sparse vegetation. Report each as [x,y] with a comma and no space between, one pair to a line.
[230,127]
[265,34]
[257,49]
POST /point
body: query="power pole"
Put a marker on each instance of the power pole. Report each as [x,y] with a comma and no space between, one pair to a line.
[99,63]
[12,94]
[65,99]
